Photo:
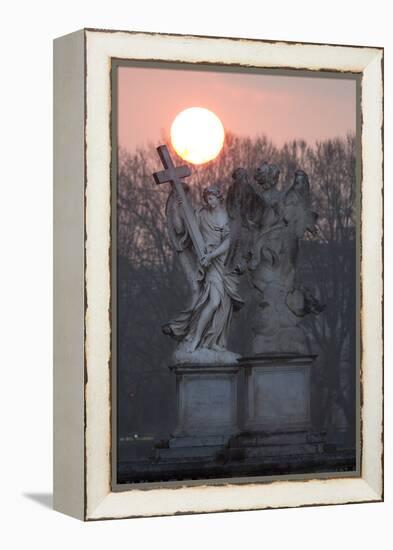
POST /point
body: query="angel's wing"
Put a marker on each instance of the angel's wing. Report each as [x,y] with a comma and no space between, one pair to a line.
[252,206]
[245,209]
[182,244]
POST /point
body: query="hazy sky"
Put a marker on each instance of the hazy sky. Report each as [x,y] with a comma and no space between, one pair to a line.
[248,104]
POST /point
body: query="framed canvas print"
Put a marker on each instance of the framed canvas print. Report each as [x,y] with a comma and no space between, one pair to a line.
[218,274]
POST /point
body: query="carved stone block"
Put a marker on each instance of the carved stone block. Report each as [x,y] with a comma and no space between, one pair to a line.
[207,400]
[277,392]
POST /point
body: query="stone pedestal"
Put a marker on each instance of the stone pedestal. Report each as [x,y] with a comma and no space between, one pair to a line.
[255,414]
[277,392]
[207,400]
[207,411]
[275,416]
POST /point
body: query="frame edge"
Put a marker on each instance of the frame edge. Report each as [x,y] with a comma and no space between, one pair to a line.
[68,271]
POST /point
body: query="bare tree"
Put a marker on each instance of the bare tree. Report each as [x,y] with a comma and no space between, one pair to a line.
[331,261]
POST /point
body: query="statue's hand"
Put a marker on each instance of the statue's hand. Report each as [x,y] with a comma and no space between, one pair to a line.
[206,260]
[313,230]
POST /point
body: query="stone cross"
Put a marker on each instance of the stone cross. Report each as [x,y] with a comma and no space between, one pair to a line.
[174,174]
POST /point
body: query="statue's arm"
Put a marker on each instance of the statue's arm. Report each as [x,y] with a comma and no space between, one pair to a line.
[222,249]
[312,219]
[225,243]
[177,219]
[177,231]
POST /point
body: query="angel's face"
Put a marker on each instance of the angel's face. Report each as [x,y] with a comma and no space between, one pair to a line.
[212,200]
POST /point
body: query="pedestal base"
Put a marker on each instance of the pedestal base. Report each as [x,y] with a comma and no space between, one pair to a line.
[280,445]
[277,392]
[207,400]
[207,411]
[256,412]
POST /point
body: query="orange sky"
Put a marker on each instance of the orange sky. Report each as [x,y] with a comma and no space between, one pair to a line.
[248,104]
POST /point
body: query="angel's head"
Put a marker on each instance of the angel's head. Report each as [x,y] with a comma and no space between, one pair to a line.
[301,183]
[267,175]
[212,196]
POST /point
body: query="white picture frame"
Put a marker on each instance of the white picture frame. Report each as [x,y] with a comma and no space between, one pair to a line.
[82,243]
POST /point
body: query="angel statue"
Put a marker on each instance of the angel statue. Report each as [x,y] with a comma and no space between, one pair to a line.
[274,259]
[202,329]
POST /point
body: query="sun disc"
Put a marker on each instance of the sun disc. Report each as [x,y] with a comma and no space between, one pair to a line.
[197,135]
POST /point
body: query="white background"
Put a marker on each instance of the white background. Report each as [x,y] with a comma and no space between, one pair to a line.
[26,273]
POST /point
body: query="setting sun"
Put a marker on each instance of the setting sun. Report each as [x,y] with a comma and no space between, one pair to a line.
[197,135]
